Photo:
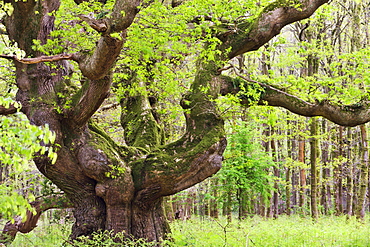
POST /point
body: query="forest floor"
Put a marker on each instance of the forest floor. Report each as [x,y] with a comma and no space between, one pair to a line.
[292,231]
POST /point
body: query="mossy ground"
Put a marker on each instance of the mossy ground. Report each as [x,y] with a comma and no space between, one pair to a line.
[285,231]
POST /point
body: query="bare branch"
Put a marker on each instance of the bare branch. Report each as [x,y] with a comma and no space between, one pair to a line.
[8,110]
[40,59]
[99,25]
[175,3]
[108,107]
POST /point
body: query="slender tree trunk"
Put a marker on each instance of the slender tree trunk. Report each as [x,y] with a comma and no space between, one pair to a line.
[302,174]
[213,201]
[267,202]
[350,174]
[275,197]
[325,170]
[228,207]
[201,194]
[189,205]
[356,154]
[324,196]
[206,208]
[262,210]
[242,207]
[313,159]
[288,191]
[295,186]
[364,169]
[288,171]
[338,177]
[168,208]
[252,204]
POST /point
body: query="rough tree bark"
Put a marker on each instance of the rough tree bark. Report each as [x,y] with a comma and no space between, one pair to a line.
[117,187]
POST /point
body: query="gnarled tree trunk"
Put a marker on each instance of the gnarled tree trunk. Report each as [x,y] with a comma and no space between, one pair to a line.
[111,187]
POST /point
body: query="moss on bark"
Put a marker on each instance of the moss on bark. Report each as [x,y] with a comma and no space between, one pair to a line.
[141,128]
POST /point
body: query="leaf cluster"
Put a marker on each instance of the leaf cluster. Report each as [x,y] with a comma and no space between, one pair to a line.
[19,142]
[71,34]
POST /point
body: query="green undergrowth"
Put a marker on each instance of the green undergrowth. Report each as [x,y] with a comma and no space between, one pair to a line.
[291,231]
[46,234]
[284,231]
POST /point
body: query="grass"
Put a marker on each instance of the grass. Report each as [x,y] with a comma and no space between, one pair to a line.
[293,231]
[287,231]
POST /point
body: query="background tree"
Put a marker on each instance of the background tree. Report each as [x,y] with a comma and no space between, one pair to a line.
[245,172]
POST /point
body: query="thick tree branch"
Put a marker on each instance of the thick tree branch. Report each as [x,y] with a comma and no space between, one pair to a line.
[11,229]
[346,115]
[40,59]
[98,25]
[124,12]
[8,110]
[88,100]
[137,118]
[252,34]
[97,64]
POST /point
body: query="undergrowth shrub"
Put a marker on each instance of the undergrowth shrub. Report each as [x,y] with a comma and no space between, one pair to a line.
[109,239]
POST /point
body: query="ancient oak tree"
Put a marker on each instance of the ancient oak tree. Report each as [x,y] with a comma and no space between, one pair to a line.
[120,187]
